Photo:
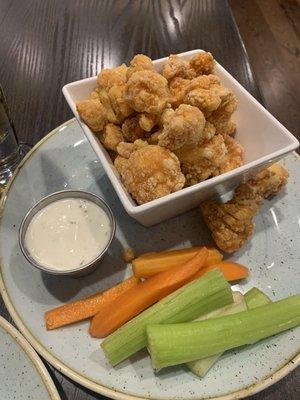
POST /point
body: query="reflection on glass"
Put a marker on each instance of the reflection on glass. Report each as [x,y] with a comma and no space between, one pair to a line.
[10,153]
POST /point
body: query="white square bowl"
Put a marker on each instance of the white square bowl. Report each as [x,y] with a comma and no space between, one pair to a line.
[264,139]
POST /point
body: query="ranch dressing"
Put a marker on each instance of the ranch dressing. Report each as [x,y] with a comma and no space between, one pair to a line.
[68,233]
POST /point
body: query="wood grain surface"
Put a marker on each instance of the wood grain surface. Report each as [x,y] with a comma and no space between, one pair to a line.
[46,44]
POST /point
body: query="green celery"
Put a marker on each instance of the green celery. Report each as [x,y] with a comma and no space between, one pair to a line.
[252,299]
[203,295]
[201,367]
[174,344]
[256,298]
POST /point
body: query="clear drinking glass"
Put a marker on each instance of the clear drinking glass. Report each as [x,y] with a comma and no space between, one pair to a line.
[10,150]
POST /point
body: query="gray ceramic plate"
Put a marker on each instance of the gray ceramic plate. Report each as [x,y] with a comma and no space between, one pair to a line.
[22,373]
[64,159]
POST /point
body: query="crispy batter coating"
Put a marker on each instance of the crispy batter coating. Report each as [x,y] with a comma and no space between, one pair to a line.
[181,127]
[178,88]
[93,113]
[176,67]
[220,118]
[147,91]
[120,164]
[270,181]
[200,162]
[148,121]
[140,62]
[231,223]
[125,149]
[109,77]
[151,172]
[111,137]
[205,93]
[111,89]
[203,63]
[132,130]
[209,131]
[95,94]
[234,157]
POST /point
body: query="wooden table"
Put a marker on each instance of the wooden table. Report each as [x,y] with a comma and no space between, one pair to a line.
[46,44]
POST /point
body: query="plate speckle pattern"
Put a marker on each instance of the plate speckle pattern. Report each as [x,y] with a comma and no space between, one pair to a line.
[20,369]
[65,160]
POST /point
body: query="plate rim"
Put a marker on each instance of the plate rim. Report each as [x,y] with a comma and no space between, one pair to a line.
[88,383]
[33,357]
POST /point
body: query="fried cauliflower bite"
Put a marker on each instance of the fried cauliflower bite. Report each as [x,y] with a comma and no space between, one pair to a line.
[201,161]
[231,223]
[111,137]
[205,93]
[234,157]
[150,172]
[202,63]
[93,113]
[184,126]
[270,181]
[147,91]
[140,62]
[125,149]
[111,89]
[148,121]
[109,77]
[132,130]
[177,67]
[178,88]
[221,118]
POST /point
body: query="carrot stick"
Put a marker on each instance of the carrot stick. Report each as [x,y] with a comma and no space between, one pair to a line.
[88,307]
[150,264]
[231,270]
[142,296]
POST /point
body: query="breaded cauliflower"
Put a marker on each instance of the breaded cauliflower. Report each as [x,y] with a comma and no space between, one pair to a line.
[150,172]
[201,161]
[178,88]
[205,93]
[232,223]
[184,126]
[111,137]
[148,121]
[109,77]
[93,113]
[147,91]
[177,67]
[202,63]
[270,181]
[111,89]
[125,149]
[140,62]
[221,118]
[234,157]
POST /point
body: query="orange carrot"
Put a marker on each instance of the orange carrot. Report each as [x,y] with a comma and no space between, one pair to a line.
[137,299]
[150,264]
[231,270]
[88,307]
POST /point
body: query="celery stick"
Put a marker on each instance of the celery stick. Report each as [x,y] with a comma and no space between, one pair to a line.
[256,298]
[201,367]
[173,344]
[252,299]
[203,295]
